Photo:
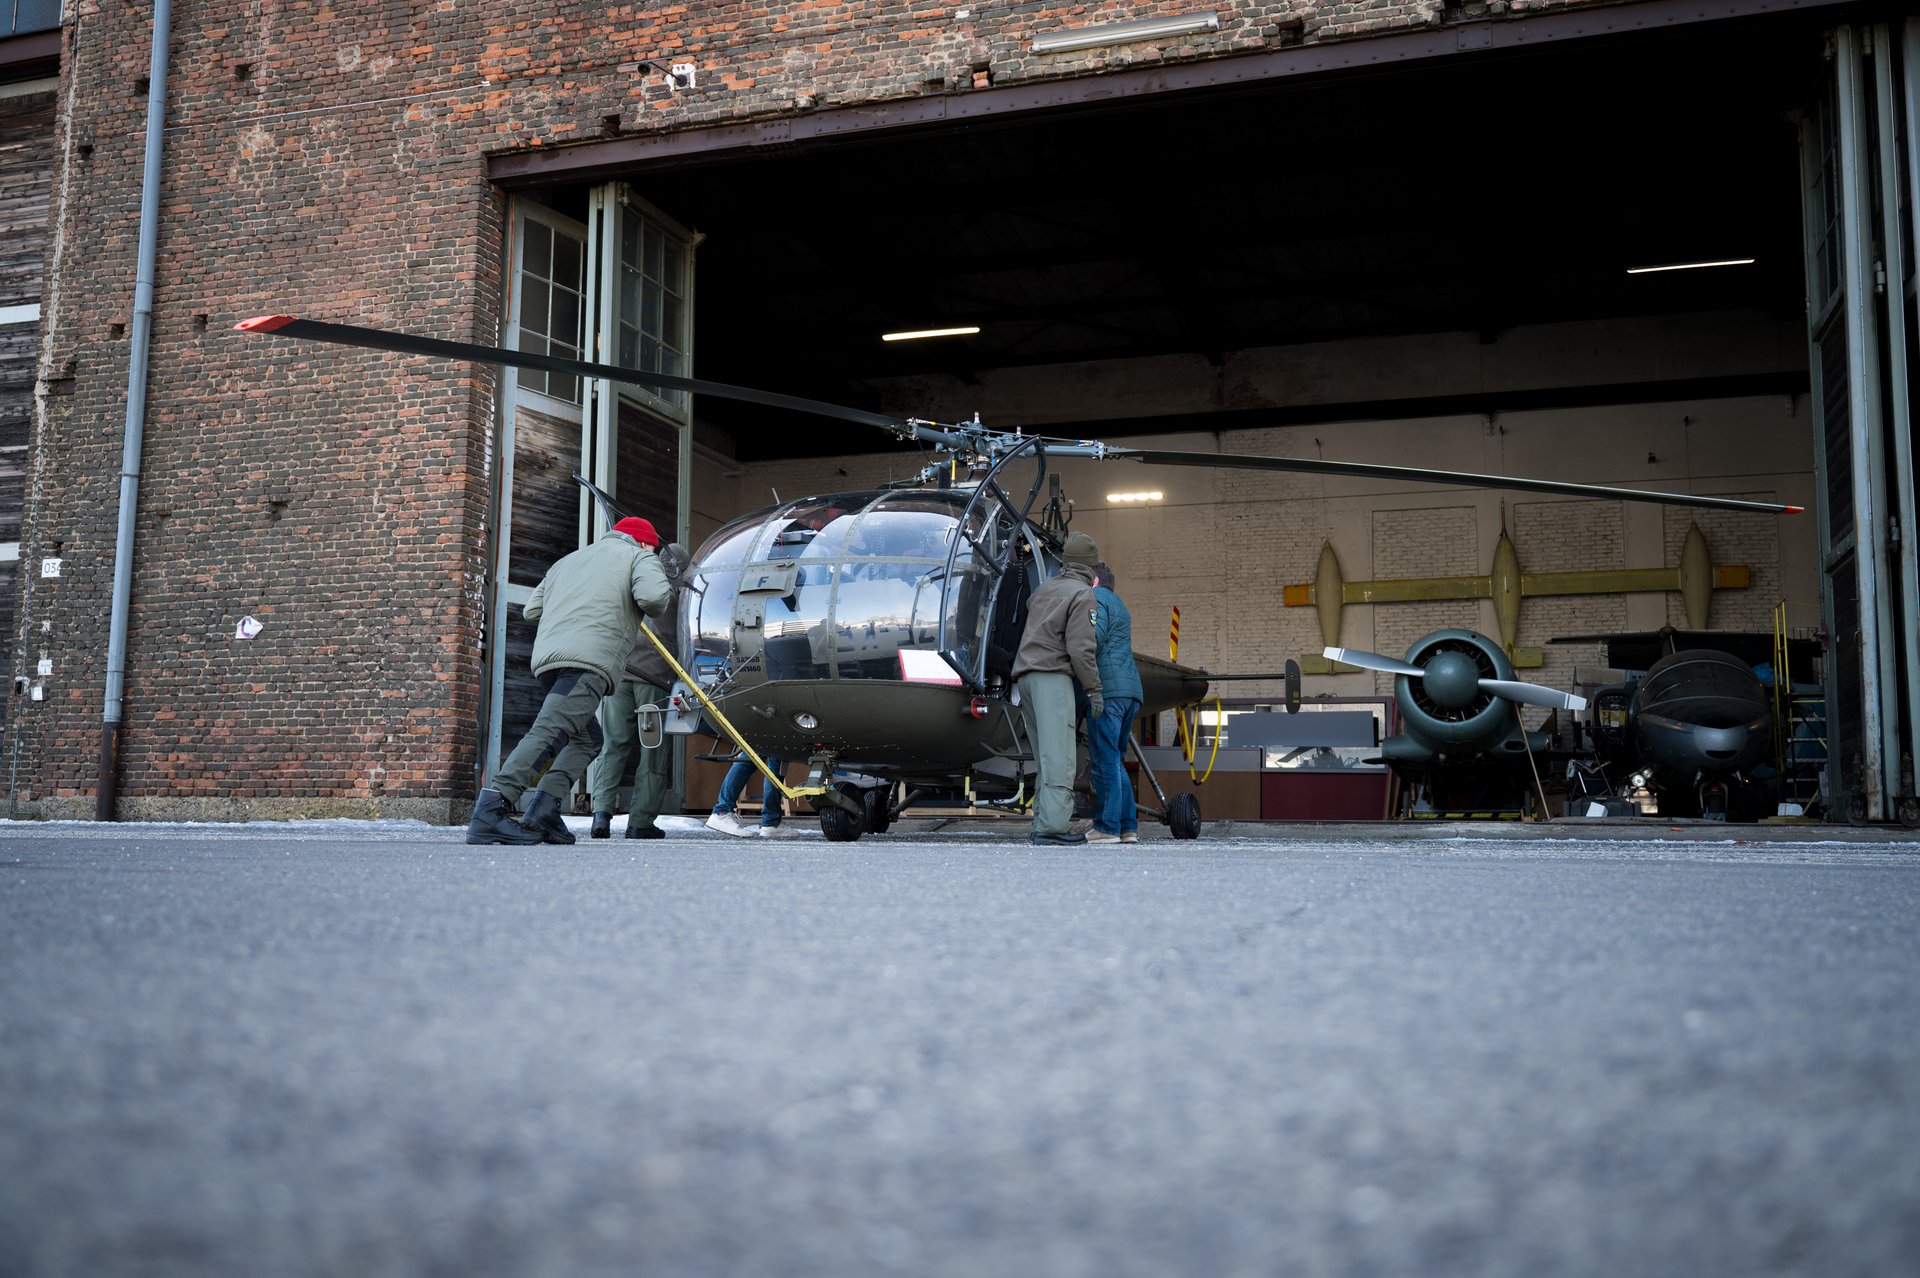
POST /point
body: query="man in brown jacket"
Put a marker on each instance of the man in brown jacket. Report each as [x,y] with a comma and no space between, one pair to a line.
[1058,645]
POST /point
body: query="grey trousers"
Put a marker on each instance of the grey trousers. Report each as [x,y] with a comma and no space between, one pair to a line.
[1046,701]
[653,771]
[565,731]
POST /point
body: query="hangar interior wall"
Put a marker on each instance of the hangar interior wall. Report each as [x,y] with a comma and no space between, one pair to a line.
[1222,544]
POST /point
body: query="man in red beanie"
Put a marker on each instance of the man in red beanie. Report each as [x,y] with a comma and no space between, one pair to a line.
[588,608]
[640,530]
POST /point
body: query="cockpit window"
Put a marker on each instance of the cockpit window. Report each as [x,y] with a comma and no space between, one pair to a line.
[870,578]
[731,546]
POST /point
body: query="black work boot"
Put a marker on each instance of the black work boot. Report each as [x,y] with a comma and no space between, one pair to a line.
[493,822]
[644,831]
[602,826]
[543,817]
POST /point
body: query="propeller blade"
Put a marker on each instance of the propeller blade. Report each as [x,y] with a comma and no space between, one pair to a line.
[1372,661]
[1534,694]
[1318,466]
[381,339]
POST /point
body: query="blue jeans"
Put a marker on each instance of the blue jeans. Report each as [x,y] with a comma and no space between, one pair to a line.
[736,781]
[1107,739]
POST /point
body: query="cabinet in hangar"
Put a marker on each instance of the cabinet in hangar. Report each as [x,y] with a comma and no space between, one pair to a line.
[1320,764]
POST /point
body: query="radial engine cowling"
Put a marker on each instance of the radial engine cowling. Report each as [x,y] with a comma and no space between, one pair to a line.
[1448,707]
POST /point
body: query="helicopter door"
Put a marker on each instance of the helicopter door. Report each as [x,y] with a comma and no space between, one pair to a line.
[760,585]
[1010,597]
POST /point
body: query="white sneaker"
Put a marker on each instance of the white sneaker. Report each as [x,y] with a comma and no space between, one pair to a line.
[725,824]
[1130,837]
[1101,836]
[778,832]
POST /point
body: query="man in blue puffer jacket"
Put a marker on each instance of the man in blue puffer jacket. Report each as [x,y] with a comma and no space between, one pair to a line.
[588,608]
[1116,816]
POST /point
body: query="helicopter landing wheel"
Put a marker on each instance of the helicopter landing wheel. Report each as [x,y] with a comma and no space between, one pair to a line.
[1183,816]
[838,824]
[877,803]
[1909,812]
[1856,809]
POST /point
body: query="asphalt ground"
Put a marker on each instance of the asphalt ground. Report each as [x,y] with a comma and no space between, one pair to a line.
[341,1049]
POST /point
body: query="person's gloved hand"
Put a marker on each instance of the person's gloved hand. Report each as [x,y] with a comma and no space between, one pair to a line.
[1096,705]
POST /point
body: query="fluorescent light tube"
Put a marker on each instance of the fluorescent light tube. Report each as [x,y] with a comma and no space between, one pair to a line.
[930,332]
[1124,32]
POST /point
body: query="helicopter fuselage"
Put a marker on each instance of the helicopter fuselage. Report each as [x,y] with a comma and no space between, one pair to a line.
[877,629]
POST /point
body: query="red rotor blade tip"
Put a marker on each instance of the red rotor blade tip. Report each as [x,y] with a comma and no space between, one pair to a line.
[1796,510]
[263,323]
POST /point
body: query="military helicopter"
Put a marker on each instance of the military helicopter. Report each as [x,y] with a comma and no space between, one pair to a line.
[1461,740]
[872,633]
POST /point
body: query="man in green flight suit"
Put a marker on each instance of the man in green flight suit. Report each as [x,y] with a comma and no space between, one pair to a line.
[645,682]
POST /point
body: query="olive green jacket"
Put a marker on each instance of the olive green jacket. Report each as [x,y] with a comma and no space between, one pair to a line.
[590,604]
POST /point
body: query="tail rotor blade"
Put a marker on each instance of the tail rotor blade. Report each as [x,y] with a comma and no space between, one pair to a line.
[1533,694]
[1372,661]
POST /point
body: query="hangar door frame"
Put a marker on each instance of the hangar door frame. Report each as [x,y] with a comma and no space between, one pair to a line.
[1857,141]
[624,259]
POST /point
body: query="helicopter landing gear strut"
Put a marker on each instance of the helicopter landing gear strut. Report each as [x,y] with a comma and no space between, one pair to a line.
[842,814]
[1181,814]
[851,810]
[839,825]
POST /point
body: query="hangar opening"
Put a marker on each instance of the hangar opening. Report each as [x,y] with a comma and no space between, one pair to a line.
[1374,261]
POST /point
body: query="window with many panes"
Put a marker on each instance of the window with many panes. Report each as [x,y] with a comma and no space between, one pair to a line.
[23,17]
[553,277]
[653,288]
[1825,245]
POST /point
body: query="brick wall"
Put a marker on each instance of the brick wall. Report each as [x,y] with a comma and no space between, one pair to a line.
[1569,536]
[26,191]
[331,160]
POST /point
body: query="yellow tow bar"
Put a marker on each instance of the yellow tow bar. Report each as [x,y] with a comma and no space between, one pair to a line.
[733,733]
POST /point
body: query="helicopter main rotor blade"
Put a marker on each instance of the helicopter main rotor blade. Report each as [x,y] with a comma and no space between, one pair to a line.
[1534,694]
[1468,479]
[954,437]
[1373,661]
[613,510]
[381,339]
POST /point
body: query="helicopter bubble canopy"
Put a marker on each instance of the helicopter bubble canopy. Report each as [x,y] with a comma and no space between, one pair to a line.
[835,587]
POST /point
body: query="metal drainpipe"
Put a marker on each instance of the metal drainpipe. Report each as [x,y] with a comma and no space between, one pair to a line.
[136,414]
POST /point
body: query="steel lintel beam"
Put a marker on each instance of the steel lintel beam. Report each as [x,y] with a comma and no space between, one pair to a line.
[642,151]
